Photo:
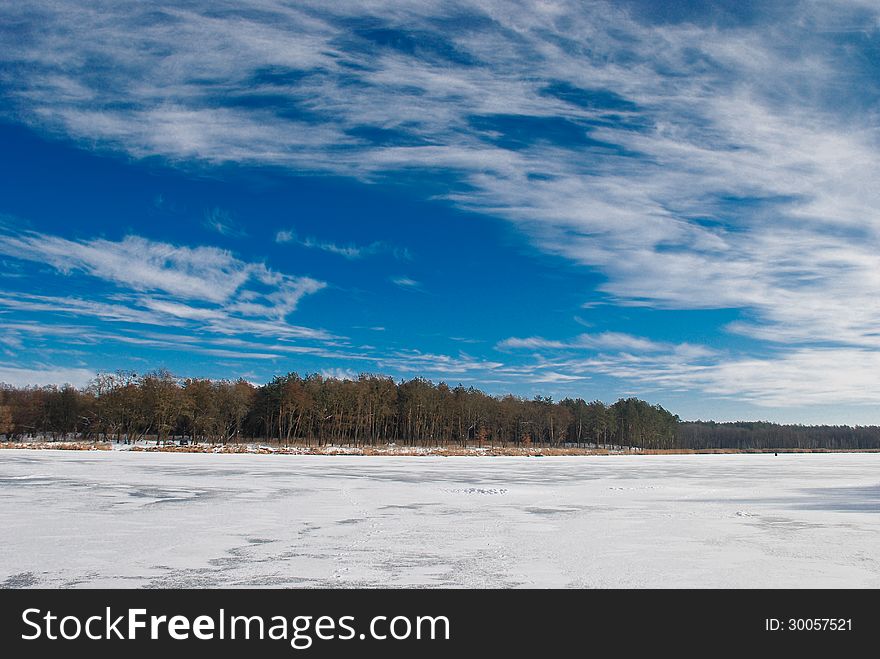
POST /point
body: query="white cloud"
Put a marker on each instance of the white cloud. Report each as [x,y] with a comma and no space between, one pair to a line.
[349,251]
[531,342]
[25,377]
[339,373]
[416,363]
[285,236]
[552,377]
[600,341]
[800,378]
[107,311]
[158,284]
[221,221]
[405,282]
[203,273]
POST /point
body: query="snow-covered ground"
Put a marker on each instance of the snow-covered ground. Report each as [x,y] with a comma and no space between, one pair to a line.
[105,518]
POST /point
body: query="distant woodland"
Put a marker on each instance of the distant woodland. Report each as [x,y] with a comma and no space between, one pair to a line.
[374,410]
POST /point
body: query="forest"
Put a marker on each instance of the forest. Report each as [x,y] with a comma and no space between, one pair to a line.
[763,435]
[373,410]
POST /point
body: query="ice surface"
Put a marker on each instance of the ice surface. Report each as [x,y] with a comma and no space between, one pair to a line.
[127,519]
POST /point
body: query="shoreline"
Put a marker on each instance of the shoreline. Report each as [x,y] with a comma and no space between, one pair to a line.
[394,450]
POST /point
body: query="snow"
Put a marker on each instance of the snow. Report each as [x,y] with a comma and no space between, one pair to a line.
[137,519]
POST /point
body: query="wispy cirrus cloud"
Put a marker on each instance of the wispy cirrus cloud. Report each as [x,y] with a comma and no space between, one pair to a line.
[603,340]
[848,376]
[221,221]
[155,283]
[204,273]
[406,283]
[418,363]
[775,381]
[348,251]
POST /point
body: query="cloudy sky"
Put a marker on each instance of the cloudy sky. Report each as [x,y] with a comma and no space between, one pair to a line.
[676,200]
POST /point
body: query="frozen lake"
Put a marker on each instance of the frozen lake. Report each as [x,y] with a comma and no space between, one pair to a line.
[117,519]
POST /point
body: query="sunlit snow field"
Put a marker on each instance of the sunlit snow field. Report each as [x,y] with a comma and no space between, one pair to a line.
[120,519]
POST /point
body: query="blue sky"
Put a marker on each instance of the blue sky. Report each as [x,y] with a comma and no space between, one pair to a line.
[677,201]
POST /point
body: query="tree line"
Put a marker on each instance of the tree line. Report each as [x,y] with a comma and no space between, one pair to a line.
[765,435]
[374,410]
[317,410]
